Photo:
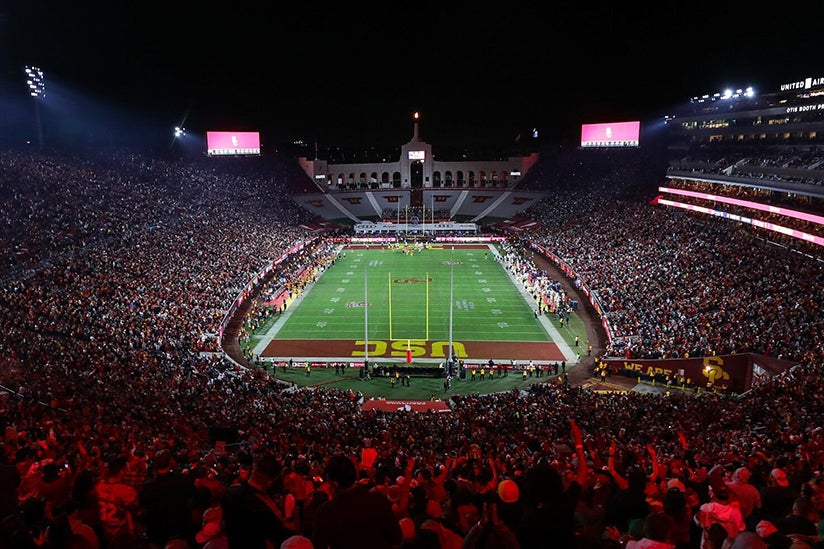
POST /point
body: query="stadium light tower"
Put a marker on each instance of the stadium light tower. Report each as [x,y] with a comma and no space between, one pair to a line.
[37,89]
[180,129]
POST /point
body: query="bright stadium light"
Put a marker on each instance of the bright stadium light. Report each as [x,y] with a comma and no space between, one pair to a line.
[180,129]
[35,81]
[37,88]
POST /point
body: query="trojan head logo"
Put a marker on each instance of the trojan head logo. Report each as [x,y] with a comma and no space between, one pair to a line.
[714,370]
[480,198]
[393,198]
[353,200]
[413,280]
[316,203]
[441,197]
[517,201]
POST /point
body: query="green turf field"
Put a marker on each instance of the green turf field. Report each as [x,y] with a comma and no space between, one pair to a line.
[409,296]
[414,297]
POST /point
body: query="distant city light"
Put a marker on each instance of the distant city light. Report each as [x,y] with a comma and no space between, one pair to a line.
[35,81]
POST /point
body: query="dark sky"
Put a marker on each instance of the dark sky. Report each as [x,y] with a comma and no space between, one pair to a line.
[354,74]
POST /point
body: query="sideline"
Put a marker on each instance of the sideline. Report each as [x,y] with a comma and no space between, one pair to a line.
[553,332]
[269,336]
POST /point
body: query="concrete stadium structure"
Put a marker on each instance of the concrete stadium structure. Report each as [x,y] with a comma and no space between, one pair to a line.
[419,189]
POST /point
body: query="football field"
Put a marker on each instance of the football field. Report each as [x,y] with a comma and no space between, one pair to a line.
[389,303]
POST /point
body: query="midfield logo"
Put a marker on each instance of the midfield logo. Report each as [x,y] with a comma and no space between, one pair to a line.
[412,280]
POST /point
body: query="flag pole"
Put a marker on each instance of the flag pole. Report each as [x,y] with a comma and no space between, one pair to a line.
[365,317]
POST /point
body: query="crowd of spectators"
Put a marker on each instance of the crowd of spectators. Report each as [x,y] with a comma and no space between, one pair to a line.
[800,202]
[123,425]
[677,284]
[784,218]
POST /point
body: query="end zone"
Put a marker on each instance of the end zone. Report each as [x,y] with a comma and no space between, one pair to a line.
[348,350]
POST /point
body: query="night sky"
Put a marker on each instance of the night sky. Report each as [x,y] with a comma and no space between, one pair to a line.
[354,74]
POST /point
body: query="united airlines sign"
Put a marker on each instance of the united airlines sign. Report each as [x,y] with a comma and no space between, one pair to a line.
[805,84]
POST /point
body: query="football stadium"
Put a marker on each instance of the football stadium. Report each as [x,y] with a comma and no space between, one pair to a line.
[564,346]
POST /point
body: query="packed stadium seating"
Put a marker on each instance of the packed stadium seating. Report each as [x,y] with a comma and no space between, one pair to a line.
[119,267]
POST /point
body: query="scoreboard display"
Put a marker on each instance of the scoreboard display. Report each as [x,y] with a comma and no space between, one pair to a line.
[232,143]
[613,134]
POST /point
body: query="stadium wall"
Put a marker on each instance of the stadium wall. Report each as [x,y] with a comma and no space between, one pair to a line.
[466,204]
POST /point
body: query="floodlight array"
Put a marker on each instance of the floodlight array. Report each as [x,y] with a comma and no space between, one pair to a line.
[35,81]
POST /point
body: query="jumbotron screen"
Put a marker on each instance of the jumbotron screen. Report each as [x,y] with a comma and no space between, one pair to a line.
[232,143]
[613,134]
